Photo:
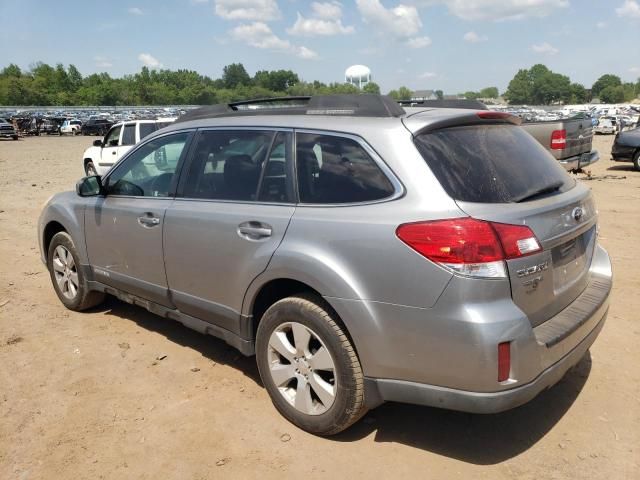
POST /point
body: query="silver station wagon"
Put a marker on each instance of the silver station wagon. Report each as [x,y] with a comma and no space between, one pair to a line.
[362,252]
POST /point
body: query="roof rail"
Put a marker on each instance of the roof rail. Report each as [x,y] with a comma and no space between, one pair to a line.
[462,103]
[355,105]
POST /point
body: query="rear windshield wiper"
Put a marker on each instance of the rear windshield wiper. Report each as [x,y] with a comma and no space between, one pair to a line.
[554,187]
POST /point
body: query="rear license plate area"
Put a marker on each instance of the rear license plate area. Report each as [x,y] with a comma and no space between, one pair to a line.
[571,259]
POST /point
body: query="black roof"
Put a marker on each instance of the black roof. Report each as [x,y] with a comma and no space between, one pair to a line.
[364,105]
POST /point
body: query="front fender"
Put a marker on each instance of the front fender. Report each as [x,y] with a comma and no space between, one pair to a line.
[67,209]
[91,153]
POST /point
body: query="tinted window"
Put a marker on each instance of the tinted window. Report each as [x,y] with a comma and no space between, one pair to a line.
[275,185]
[129,135]
[491,164]
[147,129]
[150,169]
[334,169]
[227,164]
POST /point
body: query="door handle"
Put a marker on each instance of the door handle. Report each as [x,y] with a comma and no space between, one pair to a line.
[254,230]
[113,153]
[148,220]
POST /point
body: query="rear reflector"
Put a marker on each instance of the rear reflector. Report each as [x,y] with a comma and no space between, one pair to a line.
[558,139]
[504,361]
[470,247]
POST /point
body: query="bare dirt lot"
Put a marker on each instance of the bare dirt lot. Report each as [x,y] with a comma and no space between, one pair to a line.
[83,395]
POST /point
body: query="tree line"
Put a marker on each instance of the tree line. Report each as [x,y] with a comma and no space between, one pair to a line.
[43,84]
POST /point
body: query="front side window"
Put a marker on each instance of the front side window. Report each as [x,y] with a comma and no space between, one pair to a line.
[333,169]
[227,165]
[149,171]
[113,137]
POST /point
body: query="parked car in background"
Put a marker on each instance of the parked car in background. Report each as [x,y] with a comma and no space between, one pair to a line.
[362,253]
[100,157]
[569,140]
[96,126]
[606,126]
[626,147]
[7,130]
[71,127]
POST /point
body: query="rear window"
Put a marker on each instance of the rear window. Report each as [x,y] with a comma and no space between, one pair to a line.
[491,164]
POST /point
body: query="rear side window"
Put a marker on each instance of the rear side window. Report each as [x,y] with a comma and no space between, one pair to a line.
[227,165]
[333,169]
[147,129]
[129,135]
[491,163]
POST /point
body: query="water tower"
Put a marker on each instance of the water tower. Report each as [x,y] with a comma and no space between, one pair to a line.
[357,75]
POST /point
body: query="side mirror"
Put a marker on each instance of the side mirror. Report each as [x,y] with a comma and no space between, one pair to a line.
[89,186]
[97,143]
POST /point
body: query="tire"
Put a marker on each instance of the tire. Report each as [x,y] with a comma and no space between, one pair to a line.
[15,137]
[636,161]
[62,262]
[305,369]
[90,169]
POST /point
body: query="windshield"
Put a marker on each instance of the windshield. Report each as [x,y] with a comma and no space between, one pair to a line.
[491,164]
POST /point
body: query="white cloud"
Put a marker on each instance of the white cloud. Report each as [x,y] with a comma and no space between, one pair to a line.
[427,75]
[634,70]
[149,60]
[310,27]
[135,11]
[629,9]
[327,11]
[402,21]
[102,62]
[259,35]
[601,25]
[473,37]
[418,42]
[544,48]
[263,10]
[498,9]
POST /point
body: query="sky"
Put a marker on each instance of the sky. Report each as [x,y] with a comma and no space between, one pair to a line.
[452,45]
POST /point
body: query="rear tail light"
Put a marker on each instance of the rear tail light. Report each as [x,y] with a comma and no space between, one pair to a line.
[504,361]
[558,139]
[469,247]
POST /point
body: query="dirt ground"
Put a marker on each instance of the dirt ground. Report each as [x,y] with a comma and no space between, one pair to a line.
[83,395]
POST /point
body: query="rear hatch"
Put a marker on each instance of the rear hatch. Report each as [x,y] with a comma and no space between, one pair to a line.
[499,173]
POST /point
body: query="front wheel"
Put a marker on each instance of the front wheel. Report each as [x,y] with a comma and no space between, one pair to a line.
[636,161]
[67,276]
[309,366]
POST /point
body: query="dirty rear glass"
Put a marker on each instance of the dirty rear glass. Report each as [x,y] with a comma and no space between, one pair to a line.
[491,164]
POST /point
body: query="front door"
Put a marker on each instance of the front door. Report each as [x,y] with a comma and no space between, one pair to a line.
[110,145]
[236,204]
[123,229]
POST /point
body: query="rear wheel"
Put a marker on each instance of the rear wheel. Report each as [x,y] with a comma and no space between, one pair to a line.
[67,276]
[636,161]
[309,366]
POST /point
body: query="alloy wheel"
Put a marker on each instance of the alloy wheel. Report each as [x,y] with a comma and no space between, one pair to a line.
[66,274]
[302,368]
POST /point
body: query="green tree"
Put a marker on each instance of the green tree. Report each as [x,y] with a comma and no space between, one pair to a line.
[489,92]
[471,95]
[439,94]
[404,93]
[612,94]
[371,87]
[12,70]
[603,82]
[579,94]
[276,80]
[519,89]
[234,75]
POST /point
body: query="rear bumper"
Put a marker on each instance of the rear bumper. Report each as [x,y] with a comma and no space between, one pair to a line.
[448,358]
[622,153]
[378,391]
[580,161]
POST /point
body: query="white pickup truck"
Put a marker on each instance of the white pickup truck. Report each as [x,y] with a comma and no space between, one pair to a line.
[100,157]
[72,127]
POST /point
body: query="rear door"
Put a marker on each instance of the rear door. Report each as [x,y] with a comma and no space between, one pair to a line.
[234,208]
[501,174]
